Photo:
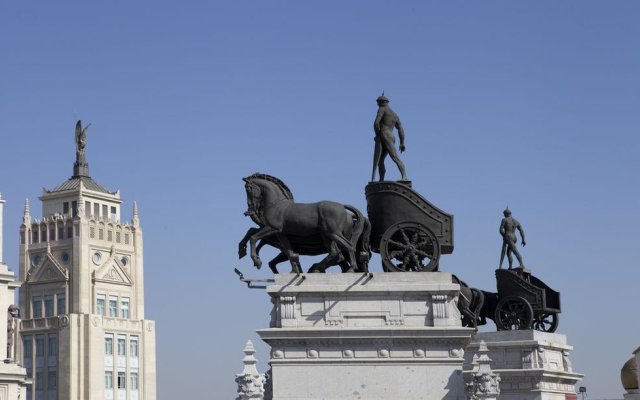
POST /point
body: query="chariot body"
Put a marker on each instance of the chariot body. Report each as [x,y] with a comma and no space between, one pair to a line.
[525,302]
[408,231]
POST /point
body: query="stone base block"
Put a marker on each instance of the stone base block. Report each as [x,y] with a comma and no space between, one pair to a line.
[532,365]
[377,336]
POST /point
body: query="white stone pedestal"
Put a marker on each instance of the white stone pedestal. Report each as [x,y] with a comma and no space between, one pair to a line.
[355,336]
[532,365]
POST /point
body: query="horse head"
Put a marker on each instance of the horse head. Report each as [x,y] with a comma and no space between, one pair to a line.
[262,191]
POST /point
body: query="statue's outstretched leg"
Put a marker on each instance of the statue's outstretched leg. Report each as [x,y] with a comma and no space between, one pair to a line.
[502,253]
[377,152]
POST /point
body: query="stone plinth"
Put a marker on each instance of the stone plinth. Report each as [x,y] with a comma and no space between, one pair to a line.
[532,365]
[377,336]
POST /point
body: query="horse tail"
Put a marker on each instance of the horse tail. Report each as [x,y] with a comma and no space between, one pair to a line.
[360,238]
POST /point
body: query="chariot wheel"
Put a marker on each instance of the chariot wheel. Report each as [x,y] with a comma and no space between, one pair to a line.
[546,322]
[512,313]
[409,246]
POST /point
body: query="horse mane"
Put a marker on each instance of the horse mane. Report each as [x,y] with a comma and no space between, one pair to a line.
[281,185]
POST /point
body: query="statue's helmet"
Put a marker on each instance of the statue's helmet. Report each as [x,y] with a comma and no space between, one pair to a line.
[506,211]
[382,98]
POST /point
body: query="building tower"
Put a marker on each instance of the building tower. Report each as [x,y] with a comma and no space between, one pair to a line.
[13,378]
[84,333]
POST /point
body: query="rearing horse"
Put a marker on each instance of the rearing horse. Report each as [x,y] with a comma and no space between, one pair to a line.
[313,228]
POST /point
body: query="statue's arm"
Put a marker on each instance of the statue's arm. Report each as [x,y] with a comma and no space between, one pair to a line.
[502,230]
[378,121]
[521,230]
[400,133]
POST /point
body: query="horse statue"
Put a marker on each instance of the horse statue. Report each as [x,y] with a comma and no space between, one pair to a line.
[341,231]
[471,302]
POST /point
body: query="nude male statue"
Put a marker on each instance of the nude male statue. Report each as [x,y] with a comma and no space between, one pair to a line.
[386,120]
[508,228]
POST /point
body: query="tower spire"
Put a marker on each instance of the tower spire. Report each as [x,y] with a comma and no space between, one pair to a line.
[136,217]
[26,215]
[81,166]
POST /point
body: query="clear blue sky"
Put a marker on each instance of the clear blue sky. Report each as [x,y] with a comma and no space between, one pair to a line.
[531,104]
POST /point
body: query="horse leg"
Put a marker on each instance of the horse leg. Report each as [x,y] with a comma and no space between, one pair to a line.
[340,241]
[333,257]
[253,239]
[242,246]
[281,257]
[290,254]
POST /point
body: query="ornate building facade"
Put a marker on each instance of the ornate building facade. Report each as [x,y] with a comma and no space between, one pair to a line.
[84,332]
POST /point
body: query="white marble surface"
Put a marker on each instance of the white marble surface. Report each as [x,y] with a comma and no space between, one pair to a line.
[356,336]
[532,365]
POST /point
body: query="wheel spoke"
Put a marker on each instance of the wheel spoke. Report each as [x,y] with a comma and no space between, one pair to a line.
[398,244]
[423,253]
[416,262]
[405,237]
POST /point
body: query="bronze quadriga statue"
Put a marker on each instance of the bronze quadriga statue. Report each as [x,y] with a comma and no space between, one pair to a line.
[326,227]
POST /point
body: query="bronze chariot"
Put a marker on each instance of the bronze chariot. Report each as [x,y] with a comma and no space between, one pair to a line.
[407,230]
[525,302]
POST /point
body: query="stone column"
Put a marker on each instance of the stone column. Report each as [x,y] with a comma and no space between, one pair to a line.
[250,381]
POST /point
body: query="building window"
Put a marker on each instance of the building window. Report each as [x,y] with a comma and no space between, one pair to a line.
[70,232]
[44,234]
[87,209]
[35,237]
[113,306]
[118,238]
[37,307]
[126,238]
[100,304]
[52,346]
[52,234]
[110,236]
[74,208]
[122,380]
[105,210]
[122,346]
[52,380]
[101,234]
[61,308]
[48,306]
[133,347]
[108,345]
[60,233]
[134,381]
[39,380]
[92,232]
[27,346]
[108,380]
[65,208]
[124,307]
[39,345]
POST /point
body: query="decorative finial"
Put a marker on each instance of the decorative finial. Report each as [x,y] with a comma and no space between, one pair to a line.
[136,217]
[484,384]
[26,215]
[250,381]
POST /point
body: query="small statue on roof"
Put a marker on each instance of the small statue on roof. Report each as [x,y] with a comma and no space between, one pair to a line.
[508,228]
[385,121]
[81,141]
